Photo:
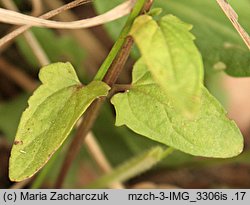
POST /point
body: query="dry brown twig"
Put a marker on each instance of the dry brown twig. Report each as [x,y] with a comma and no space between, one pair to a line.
[95,50]
[30,38]
[12,35]
[16,75]
[12,17]
[21,185]
[233,17]
[37,7]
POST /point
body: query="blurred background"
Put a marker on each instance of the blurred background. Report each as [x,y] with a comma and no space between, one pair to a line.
[222,50]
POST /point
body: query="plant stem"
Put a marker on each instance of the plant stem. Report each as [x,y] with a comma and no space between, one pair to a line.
[108,72]
[75,146]
[22,184]
[120,42]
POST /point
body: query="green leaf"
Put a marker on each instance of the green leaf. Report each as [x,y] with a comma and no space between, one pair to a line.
[168,50]
[216,38]
[132,167]
[53,110]
[146,110]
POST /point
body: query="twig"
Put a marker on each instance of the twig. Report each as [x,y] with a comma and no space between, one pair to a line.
[22,184]
[36,48]
[233,17]
[21,79]
[37,7]
[41,56]
[98,155]
[95,50]
[11,17]
[30,38]
[10,36]
[92,112]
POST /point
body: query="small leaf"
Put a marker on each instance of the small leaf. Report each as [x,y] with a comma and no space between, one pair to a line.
[168,50]
[146,110]
[53,110]
[155,12]
[132,167]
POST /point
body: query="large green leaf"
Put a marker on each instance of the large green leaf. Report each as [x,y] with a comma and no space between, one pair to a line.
[168,50]
[146,110]
[53,110]
[216,38]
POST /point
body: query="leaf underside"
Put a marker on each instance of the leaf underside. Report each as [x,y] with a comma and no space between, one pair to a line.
[53,110]
[146,110]
[168,50]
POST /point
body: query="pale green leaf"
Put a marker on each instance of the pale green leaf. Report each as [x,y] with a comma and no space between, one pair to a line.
[53,110]
[146,110]
[168,50]
[132,167]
